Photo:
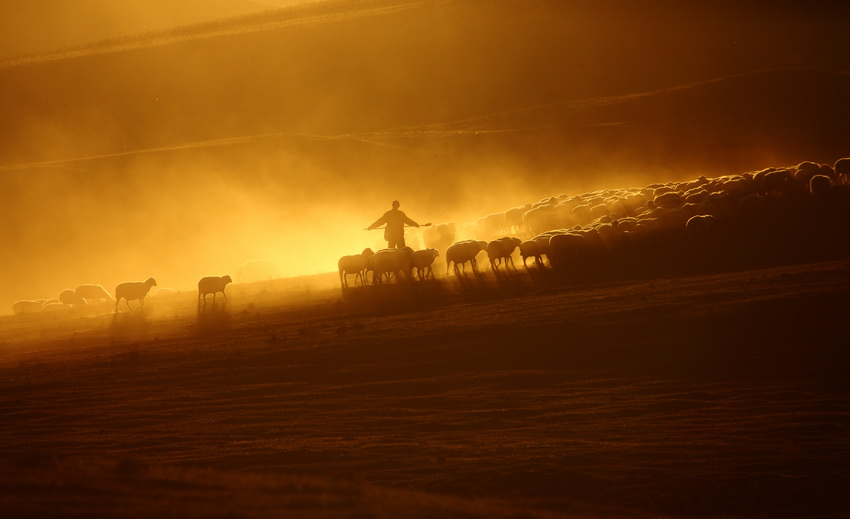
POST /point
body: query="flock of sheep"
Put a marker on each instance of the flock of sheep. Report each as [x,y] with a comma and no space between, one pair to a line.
[85,295]
[657,228]
[89,294]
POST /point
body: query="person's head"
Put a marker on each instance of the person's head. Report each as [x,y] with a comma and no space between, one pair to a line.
[395,204]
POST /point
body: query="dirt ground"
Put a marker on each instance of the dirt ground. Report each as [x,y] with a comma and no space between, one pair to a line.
[722,394]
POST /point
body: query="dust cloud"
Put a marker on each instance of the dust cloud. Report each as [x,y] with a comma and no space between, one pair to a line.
[181,218]
[50,25]
[184,160]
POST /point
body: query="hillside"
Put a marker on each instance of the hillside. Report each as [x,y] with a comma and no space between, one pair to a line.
[721,395]
[680,352]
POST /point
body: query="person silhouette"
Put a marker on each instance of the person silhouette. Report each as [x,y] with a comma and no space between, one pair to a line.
[395,221]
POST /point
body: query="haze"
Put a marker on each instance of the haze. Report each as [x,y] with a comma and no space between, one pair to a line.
[43,26]
[251,132]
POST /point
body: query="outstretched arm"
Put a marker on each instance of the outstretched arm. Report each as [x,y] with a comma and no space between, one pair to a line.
[380,221]
[408,221]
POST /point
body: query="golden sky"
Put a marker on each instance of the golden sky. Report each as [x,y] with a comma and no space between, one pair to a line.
[47,25]
[281,136]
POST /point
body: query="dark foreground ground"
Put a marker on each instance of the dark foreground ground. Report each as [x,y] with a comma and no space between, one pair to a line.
[713,395]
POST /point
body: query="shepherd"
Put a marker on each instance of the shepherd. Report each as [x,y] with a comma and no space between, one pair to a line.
[395,221]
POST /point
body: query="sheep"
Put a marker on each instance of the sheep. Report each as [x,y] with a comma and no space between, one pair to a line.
[92,292]
[598,210]
[52,305]
[696,195]
[699,226]
[626,224]
[738,185]
[464,251]
[514,217]
[388,262]
[805,171]
[27,306]
[820,185]
[536,248]
[752,206]
[493,224]
[422,260]
[842,170]
[580,214]
[212,285]
[540,219]
[354,264]
[69,297]
[500,250]
[669,200]
[439,237]
[133,290]
[565,247]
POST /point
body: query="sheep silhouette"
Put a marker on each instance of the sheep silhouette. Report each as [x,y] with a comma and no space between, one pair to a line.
[390,262]
[462,252]
[356,264]
[212,285]
[535,248]
[92,293]
[500,250]
[133,290]
[27,306]
[422,260]
[842,170]
[70,297]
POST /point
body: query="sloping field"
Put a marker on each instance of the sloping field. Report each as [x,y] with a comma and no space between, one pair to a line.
[721,394]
